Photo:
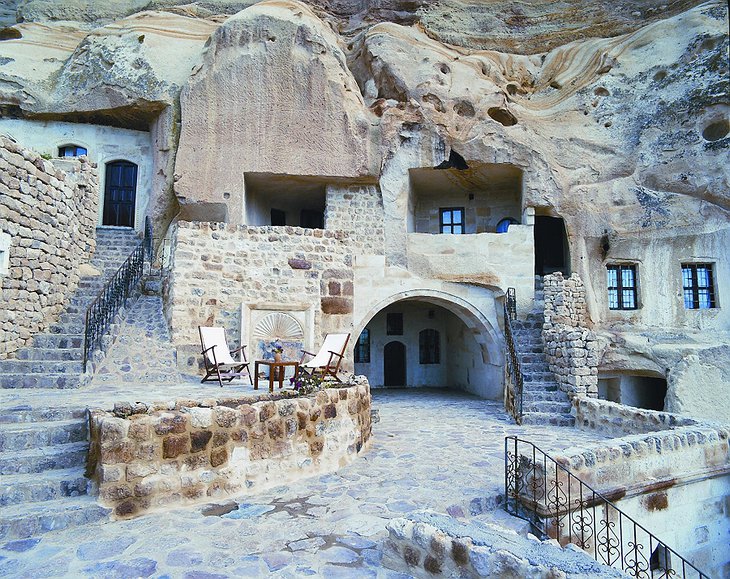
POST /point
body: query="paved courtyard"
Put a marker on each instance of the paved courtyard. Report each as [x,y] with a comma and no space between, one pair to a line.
[436,450]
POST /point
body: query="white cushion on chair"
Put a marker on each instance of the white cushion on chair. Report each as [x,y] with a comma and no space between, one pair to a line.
[216,337]
[332,343]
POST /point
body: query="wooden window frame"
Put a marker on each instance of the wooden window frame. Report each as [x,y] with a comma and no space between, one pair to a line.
[617,293]
[448,228]
[691,284]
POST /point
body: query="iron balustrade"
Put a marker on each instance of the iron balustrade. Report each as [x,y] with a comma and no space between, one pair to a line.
[118,289]
[513,379]
[561,506]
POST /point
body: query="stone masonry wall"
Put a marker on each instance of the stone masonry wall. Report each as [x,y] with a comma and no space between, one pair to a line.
[358,210]
[48,214]
[217,267]
[144,457]
[571,348]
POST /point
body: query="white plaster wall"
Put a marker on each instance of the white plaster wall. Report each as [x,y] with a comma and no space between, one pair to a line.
[466,368]
[104,144]
[703,538]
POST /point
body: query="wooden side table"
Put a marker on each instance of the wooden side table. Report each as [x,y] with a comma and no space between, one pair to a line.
[274,368]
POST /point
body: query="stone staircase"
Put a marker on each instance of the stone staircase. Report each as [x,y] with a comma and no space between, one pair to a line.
[542,400]
[55,359]
[42,463]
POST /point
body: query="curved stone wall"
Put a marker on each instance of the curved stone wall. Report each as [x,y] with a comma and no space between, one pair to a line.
[145,458]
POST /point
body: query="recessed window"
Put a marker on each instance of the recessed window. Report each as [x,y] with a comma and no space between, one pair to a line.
[451,220]
[71,151]
[362,348]
[394,324]
[698,286]
[504,224]
[428,347]
[621,287]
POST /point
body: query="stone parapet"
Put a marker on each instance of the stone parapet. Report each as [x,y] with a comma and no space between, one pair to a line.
[147,457]
[570,346]
[48,213]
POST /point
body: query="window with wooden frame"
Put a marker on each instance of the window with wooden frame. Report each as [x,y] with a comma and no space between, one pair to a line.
[362,348]
[451,220]
[72,151]
[621,287]
[698,286]
[428,347]
[394,324]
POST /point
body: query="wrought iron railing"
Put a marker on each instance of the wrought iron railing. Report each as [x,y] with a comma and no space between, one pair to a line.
[561,506]
[100,314]
[513,374]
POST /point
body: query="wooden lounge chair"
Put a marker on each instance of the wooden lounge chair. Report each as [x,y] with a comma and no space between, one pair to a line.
[327,361]
[218,358]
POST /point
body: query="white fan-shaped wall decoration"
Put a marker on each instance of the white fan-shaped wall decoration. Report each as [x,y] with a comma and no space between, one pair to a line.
[278,325]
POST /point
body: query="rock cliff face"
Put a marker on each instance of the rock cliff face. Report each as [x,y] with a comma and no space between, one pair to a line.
[614,117]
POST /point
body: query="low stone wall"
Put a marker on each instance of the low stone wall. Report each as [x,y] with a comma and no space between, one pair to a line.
[428,544]
[571,348]
[143,458]
[48,214]
[616,420]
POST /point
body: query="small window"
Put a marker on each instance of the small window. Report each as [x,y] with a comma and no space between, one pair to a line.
[621,287]
[394,324]
[451,220]
[504,224]
[278,217]
[362,348]
[698,286]
[311,219]
[428,347]
[71,151]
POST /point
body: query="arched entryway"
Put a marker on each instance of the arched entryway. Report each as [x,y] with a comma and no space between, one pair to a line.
[120,194]
[425,339]
[394,364]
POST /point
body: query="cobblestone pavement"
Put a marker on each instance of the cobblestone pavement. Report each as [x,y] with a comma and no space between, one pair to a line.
[435,450]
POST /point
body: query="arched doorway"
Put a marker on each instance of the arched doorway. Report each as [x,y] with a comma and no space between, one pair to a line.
[394,364]
[120,194]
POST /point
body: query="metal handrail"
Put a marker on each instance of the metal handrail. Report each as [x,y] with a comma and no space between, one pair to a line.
[561,506]
[101,312]
[514,380]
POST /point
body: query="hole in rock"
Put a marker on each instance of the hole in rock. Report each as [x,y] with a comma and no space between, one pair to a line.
[601,91]
[444,69]
[716,131]
[455,161]
[10,33]
[660,76]
[464,109]
[512,89]
[502,115]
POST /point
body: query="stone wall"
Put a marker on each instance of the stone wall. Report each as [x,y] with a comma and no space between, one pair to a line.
[48,213]
[358,210]
[186,451]
[571,348]
[428,544]
[216,268]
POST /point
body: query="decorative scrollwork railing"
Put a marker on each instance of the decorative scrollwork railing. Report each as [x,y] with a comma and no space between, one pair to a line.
[561,506]
[100,314]
[513,377]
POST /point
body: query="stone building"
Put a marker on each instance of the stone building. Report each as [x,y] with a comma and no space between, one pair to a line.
[317,169]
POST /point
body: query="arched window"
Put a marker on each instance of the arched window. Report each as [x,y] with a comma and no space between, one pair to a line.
[429,351]
[362,348]
[71,151]
[504,224]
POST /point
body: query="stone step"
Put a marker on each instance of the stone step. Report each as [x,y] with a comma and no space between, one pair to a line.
[50,354]
[542,418]
[541,386]
[41,366]
[37,460]
[40,381]
[24,413]
[48,486]
[31,519]
[68,328]
[533,367]
[58,341]
[547,407]
[529,395]
[28,435]
[537,376]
